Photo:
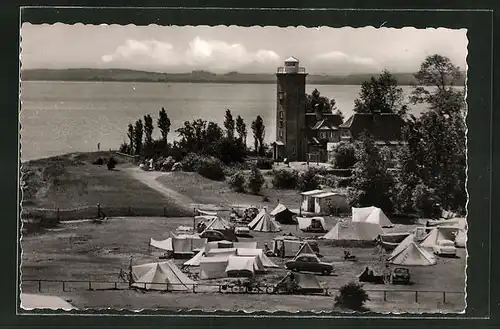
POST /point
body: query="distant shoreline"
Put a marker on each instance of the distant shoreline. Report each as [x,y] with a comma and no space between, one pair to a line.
[121,75]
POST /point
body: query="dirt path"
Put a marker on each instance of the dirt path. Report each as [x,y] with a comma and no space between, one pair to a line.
[149,178]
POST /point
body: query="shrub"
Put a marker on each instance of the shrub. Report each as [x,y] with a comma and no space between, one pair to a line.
[211,168]
[191,162]
[344,181]
[265,164]
[329,180]
[125,148]
[308,180]
[255,181]
[285,179]
[352,296]
[111,163]
[230,151]
[424,199]
[237,182]
[344,156]
[99,161]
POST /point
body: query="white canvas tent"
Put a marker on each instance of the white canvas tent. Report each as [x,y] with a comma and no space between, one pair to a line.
[402,246]
[213,267]
[242,266]
[370,215]
[160,276]
[346,231]
[259,253]
[323,202]
[413,255]
[264,223]
[437,234]
[162,244]
[218,245]
[307,203]
[186,244]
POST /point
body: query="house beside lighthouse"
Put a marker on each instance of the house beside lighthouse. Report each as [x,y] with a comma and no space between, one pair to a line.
[300,132]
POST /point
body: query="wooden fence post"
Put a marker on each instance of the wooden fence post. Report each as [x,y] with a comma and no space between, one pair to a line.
[116,286]
[64,287]
[129,211]
[164,211]
[98,210]
[58,216]
[90,285]
[39,285]
[416,296]
[385,296]
[444,297]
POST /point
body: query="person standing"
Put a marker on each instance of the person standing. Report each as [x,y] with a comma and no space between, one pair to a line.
[98,147]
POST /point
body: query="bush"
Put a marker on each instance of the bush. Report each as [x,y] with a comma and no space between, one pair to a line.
[308,180]
[99,162]
[265,164]
[344,181]
[111,163]
[237,182]
[344,156]
[230,151]
[211,168]
[424,199]
[125,148]
[191,162]
[285,179]
[352,296]
[255,181]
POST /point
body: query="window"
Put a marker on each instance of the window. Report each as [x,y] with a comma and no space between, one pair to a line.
[281,95]
[281,114]
[281,124]
[281,133]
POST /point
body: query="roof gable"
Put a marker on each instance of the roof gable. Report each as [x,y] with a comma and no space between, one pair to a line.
[383,126]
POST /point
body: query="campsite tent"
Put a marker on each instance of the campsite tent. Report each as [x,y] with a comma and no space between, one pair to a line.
[213,267]
[413,255]
[162,244]
[31,302]
[220,247]
[283,215]
[329,202]
[305,249]
[316,224]
[262,258]
[370,215]
[186,244]
[439,233]
[160,276]
[264,223]
[343,230]
[369,221]
[402,246]
[302,282]
[238,266]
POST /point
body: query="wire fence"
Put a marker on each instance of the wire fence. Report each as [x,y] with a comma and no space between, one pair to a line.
[383,295]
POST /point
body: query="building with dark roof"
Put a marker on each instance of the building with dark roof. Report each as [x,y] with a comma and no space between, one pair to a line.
[386,128]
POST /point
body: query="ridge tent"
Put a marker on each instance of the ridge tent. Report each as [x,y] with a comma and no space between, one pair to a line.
[241,266]
[160,276]
[305,249]
[389,241]
[32,301]
[259,253]
[370,215]
[343,230]
[286,246]
[264,223]
[300,283]
[316,224]
[220,252]
[213,267]
[283,215]
[437,234]
[402,246]
[413,255]
[195,261]
[207,213]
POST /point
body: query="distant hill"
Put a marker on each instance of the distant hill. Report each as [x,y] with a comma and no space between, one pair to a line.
[85,74]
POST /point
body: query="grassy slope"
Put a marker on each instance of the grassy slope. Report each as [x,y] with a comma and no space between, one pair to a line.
[72,181]
[87,251]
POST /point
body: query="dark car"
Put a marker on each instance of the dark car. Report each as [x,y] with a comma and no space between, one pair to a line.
[214,235]
[400,275]
[309,263]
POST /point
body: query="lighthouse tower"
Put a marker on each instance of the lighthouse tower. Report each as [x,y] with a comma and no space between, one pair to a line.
[290,112]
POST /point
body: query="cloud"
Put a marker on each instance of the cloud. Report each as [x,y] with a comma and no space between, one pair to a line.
[215,55]
[341,62]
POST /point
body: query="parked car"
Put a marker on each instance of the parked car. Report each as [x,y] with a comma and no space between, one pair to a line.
[212,235]
[445,247]
[400,275]
[309,263]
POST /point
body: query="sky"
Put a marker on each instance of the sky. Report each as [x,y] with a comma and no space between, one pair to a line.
[221,49]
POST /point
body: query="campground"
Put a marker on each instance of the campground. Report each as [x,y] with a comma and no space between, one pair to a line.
[88,251]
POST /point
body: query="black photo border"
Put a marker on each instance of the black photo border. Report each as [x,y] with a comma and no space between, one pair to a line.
[482,158]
